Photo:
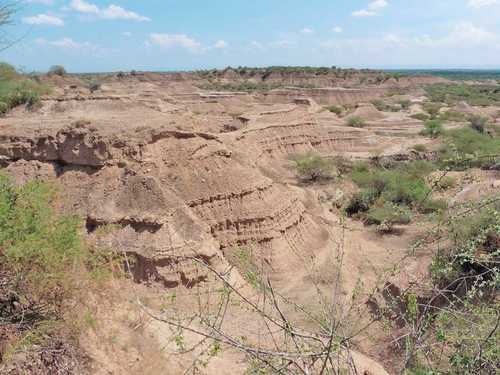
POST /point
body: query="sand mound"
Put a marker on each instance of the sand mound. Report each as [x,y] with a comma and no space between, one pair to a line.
[368,112]
[463,107]
[415,109]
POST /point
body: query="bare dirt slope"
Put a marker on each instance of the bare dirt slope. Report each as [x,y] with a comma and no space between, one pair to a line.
[186,172]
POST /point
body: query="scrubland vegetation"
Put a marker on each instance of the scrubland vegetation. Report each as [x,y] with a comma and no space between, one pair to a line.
[433,128]
[460,325]
[453,328]
[46,269]
[475,95]
[447,324]
[247,86]
[335,109]
[57,70]
[466,148]
[313,167]
[356,122]
[391,196]
[290,70]
[17,89]
[387,107]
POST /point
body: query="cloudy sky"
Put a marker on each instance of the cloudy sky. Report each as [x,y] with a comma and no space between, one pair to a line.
[113,35]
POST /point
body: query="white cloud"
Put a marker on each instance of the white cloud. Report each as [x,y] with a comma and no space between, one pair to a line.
[371,10]
[394,40]
[112,12]
[43,19]
[482,3]
[175,40]
[84,7]
[127,34]
[66,43]
[378,4]
[364,13]
[221,44]
[63,43]
[69,45]
[463,35]
[464,39]
[469,34]
[307,30]
[337,29]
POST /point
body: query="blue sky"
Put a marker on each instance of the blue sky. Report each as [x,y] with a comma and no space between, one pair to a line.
[102,35]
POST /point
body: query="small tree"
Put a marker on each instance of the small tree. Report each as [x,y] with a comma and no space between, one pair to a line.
[311,167]
[4,108]
[57,70]
[94,86]
[420,148]
[379,104]
[7,72]
[356,122]
[405,104]
[432,109]
[335,109]
[478,123]
[433,128]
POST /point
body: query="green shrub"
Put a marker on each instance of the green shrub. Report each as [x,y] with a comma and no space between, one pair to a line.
[341,165]
[433,128]
[388,214]
[94,86]
[474,239]
[420,116]
[57,70]
[387,196]
[471,227]
[7,72]
[356,122]
[466,148]
[420,148]
[311,167]
[16,89]
[47,267]
[447,182]
[379,104]
[432,109]
[405,104]
[478,123]
[247,86]
[451,115]
[404,186]
[475,348]
[361,202]
[335,109]
[475,95]
[407,192]
[419,169]
[463,330]
[37,243]
[385,107]
[4,108]
[429,206]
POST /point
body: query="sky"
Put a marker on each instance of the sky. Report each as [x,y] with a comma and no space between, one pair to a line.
[166,35]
